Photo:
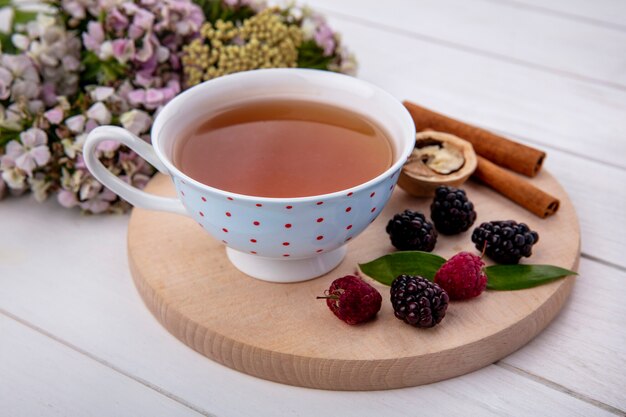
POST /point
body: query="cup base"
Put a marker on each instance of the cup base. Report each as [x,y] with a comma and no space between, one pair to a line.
[286,270]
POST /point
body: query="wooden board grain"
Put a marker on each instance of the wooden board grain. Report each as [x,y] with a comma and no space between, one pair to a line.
[282,333]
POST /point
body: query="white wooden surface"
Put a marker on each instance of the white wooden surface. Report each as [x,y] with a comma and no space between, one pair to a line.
[76,340]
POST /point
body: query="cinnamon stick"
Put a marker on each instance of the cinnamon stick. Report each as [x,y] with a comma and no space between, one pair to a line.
[504,152]
[516,188]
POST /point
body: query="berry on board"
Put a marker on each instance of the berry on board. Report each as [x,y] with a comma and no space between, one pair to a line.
[451,211]
[410,230]
[462,276]
[505,241]
[352,300]
[417,301]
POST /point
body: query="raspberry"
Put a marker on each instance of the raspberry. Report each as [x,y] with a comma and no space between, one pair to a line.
[505,241]
[462,276]
[352,300]
[417,301]
[410,230]
[451,211]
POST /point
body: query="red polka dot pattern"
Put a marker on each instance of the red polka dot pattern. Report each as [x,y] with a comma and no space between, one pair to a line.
[299,238]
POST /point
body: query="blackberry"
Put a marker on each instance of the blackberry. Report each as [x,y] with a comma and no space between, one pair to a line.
[451,211]
[506,241]
[410,230]
[417,301]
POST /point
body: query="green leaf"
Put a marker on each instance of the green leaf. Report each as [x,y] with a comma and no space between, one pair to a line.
[23,16]
[311,55]
[386,268]
[518,277]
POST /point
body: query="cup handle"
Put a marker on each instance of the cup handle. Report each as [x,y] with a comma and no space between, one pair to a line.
[129,193]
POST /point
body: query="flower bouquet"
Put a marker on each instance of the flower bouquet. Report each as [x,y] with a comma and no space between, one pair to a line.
[73,65]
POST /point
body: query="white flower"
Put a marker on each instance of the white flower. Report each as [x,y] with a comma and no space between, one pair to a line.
[14,178]
[308,28]
[11,175]
[106,50]
[39,187]
[99,113]
[102,93]
[136,121]
[6,19]
[72,147]
[20,41]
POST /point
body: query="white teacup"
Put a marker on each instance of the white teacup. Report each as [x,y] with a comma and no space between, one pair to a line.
[274,239]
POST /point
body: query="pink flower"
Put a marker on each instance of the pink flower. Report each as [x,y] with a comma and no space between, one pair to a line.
[93,38]
[5,83]
[147,49]
[154,98]
[143,19]
[31,153]
[135,32]
[123,50]
[48,94]
[54,115]
[76,124]
[108,146]
[325,39]
[116,20]
[137,97]
[90,125]
[67,199]
[100,202]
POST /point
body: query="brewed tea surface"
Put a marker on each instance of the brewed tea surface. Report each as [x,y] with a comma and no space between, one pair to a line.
[283,149]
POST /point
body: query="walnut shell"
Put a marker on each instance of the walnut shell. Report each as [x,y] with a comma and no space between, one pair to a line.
[438,159]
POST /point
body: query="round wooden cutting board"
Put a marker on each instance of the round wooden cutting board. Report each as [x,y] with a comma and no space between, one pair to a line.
[282,333]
